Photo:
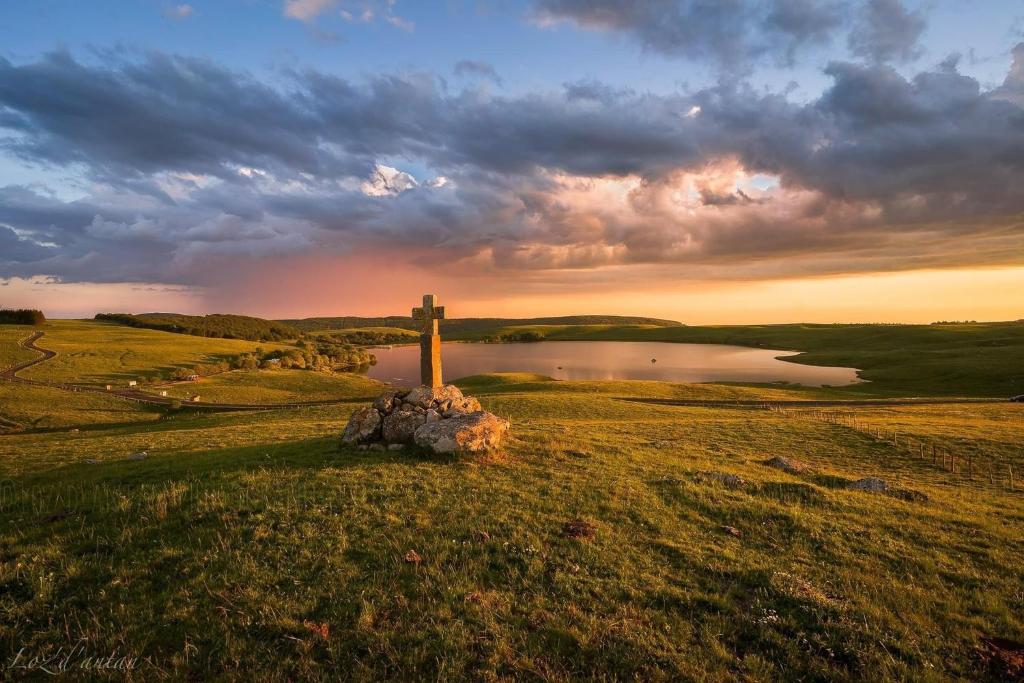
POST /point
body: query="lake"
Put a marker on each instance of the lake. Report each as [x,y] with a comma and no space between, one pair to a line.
[583,360]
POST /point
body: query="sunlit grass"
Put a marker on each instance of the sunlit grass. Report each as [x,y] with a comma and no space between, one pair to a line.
[252,545]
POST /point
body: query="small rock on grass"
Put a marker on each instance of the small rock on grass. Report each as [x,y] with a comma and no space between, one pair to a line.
[141,455]
[395,446]
[580,529]
[413,557]
[732,531]
[873,484]
[788,465]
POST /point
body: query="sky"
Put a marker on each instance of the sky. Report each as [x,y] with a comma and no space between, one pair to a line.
[708,161]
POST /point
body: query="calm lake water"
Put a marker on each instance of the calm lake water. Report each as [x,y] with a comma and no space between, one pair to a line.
[611,360]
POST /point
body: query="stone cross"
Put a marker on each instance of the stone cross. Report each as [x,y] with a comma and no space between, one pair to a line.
[430,341]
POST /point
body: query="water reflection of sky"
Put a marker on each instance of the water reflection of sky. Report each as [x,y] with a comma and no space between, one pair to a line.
[611,360]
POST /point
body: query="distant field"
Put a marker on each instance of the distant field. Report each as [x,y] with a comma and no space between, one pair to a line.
[100,353]
[471,326]
[278,386]
[985,359]
[254,546]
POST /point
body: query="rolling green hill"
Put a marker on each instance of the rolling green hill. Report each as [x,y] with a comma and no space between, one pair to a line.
[216,325]
[457,326]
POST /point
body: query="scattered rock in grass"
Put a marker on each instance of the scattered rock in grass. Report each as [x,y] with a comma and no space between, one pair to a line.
[141,455]
[788,465]
[363,447]
[92,461]
[909,495]
[322,630]
[733,481]
[395,446]
[363,426]
[732,531]
[73,431]
[1005,657]
[57,516]
[873,484]
[378,447]
[481,536]
[413,557]
[472,596]
[579,529]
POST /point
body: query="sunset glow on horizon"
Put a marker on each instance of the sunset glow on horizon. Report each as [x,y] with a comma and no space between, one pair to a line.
[849,166]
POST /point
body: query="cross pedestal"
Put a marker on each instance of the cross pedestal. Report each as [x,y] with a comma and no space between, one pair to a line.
[430,341]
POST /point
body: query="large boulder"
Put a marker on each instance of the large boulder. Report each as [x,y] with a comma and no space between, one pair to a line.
[401,425]
[477,432]
[429,397]
[363,426]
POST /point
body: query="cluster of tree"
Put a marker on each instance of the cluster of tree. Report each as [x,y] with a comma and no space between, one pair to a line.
[955,322]
[21,316]
[320,354]
[371,337]
[517,336]
[216,325]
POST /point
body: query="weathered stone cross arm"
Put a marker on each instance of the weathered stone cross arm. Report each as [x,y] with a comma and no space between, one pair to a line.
[429,314]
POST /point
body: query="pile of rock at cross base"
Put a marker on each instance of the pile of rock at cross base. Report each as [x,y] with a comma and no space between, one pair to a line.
[438,419]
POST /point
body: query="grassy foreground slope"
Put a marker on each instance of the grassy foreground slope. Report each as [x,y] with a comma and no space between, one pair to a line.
[254,546]
[979,359]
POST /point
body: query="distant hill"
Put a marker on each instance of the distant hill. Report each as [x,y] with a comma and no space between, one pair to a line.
[471,325]
[216,325]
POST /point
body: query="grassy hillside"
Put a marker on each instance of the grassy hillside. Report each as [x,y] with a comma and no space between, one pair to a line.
[278,386]
[10,352]
[100,353]
[979,359]
[253,546]
[31,407]
[217,325]
[478,326]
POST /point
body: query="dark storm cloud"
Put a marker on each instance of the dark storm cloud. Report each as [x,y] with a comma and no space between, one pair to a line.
[729,32]
[190,162]
[735,34]
[886,30]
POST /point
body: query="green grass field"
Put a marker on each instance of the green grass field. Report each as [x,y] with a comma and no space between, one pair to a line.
[278,386]
[253,546]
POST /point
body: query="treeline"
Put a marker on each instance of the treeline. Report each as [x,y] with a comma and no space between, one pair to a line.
[371,337]
[217,325]
[21,316]
[518,336]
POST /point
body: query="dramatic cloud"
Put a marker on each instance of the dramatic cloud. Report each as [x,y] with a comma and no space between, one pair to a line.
[737,33]
[887,31]
[185,165]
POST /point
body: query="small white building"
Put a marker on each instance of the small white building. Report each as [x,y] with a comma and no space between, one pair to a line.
[163,393]
[132,383]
